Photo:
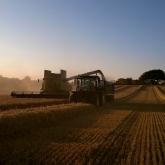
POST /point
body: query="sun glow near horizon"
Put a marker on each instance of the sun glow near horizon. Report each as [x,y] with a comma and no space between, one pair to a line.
[122,39]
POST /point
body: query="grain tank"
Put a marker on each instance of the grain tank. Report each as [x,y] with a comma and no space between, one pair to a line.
[54,82]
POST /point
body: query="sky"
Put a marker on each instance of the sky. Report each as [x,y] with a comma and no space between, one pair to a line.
[123,38]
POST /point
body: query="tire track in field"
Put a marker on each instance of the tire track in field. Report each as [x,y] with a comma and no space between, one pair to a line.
[162,89]
[108,151]
[136,151]
[159,139]
[160,94]
[161,134]
[140,97]
[157,97]
[152,143]
[141,140]
[85,152]
[133,94]
[83,142]
[136,132]
[149,144]
[146,95]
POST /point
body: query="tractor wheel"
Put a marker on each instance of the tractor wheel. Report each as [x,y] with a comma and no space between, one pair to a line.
[99,100]
[109,98]
[72,98]
[103,99]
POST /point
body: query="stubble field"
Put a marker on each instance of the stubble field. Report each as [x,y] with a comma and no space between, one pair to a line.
[131,131]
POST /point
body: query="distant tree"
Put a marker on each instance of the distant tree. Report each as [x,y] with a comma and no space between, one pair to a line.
[120,81]
[135,82]
[129,81]
[156,74]
[124,81]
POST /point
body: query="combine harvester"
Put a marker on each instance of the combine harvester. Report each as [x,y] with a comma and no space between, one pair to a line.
[53,86]
[90,87]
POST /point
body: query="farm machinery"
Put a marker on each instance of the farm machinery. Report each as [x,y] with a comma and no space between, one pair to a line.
[90,87]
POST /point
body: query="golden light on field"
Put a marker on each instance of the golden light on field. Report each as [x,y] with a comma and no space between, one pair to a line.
[129,131]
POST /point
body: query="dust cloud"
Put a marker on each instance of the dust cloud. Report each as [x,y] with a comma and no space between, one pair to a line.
[14,84]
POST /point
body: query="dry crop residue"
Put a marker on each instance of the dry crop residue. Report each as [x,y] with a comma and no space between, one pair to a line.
[85,145]
[8,102]
[130,132]
[137,139]
[126,91]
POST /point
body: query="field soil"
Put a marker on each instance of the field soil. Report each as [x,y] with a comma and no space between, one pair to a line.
[130,131]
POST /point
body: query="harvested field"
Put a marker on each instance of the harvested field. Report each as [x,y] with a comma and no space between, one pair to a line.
[121,87]
[131,131]
[127,91]
[162,88]
[8,102]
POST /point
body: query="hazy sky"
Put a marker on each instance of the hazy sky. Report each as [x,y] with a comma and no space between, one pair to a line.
[124,38]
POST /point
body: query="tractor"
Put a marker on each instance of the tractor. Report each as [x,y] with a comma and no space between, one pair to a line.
[91,88]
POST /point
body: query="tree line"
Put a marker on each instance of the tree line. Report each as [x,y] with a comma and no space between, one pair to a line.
[150,77]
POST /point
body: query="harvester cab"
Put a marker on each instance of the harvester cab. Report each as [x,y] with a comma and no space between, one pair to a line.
[90,88]
[87,83]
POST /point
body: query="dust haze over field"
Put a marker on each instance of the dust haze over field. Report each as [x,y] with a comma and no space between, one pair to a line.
[9,84]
